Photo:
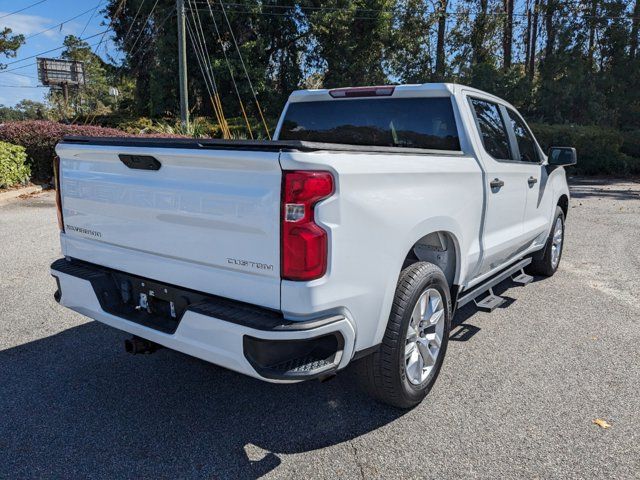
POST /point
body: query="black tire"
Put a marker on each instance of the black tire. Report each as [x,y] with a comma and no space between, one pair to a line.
[382,373]
[542,263]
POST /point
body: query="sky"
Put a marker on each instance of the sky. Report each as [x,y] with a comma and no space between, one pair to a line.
[22,82]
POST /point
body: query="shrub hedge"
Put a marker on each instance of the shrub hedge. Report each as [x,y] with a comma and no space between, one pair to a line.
[39,138]
[600,149]
[13,167]
[631,144]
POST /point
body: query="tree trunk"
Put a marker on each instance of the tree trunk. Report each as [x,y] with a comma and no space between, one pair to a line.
[527,40]
[633,49]
[507,37]
[442,25]
[534,40]
[592,30]
[549,28]
[478,34]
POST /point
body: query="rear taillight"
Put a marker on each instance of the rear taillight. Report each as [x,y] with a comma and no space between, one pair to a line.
[304,243]
[56,178]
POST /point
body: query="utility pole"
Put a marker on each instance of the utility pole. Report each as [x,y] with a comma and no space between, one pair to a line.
[182,65]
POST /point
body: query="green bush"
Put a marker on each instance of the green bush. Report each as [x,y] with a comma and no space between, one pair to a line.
[135,126]
[200,127]
[631,143]
[39,138]
[599,149]
[13,167]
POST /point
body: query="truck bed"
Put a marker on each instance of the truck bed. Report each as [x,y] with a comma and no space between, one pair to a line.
[250,145]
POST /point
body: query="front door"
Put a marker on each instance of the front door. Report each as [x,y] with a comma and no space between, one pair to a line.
[539,204]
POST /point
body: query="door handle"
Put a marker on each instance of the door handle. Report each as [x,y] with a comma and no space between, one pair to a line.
[496,183]
[532,181]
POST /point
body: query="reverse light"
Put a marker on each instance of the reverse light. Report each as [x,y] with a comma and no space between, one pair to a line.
[304,243]
[57,182]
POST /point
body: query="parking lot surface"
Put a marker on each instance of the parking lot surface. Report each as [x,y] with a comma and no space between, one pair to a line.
[517,396]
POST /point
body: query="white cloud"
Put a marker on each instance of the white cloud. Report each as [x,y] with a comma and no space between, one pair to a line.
[28,24]
[13,94]
[13,79]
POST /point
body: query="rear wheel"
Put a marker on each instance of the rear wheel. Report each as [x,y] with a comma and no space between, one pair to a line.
[405,367]
[546,261]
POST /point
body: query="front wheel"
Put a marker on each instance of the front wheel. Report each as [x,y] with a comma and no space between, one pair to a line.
[546,261]
[405,367]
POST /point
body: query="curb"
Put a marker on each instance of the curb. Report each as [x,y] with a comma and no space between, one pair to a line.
[7,197]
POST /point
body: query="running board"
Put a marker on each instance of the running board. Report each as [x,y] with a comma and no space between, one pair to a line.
[492,301]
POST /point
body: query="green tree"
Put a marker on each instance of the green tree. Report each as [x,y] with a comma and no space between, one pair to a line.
[409,54]
[9,44]
[93,97]
[350,40]
[559,61]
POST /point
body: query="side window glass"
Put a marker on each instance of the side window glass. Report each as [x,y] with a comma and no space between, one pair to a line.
[492,129]
[526,144]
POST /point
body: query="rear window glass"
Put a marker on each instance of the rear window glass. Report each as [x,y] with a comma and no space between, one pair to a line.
[389,122]
[492,129]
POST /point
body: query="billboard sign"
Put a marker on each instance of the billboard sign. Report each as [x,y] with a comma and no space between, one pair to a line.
[54,72]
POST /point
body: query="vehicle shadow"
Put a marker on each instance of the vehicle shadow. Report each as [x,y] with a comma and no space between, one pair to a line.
[75,405]
[603,188]
[462,330]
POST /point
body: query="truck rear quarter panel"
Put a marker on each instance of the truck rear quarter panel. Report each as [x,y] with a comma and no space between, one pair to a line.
[383,204]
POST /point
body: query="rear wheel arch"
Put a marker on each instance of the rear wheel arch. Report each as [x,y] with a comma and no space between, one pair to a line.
[385,373]
[441,248]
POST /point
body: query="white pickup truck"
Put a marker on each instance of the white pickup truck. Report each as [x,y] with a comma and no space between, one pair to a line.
[355,235]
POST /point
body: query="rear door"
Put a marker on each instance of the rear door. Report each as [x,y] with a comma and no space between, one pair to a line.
[206,219]
[506,180]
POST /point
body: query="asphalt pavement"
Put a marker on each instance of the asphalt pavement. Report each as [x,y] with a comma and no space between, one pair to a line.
[517,396]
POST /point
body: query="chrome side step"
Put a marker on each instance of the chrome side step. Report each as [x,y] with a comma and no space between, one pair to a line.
[492,301]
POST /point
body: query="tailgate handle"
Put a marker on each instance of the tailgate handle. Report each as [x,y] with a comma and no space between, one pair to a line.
[140,162]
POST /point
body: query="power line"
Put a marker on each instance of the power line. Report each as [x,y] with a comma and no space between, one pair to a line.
[52,49]
[57,25]
[198,41]
[459,13]
[90,18]
[144,25]
[41,53]
[23,75]
[149,39]
[208,77]
[244,67]
[135,17]
[115,14]
[233,78]
[23,86]
[22,9]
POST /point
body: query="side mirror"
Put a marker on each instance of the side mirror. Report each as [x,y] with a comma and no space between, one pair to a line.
[562,156]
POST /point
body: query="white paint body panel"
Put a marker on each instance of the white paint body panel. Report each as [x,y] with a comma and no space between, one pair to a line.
[182,223]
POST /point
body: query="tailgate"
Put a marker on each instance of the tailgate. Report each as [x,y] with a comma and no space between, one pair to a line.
[207,219]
